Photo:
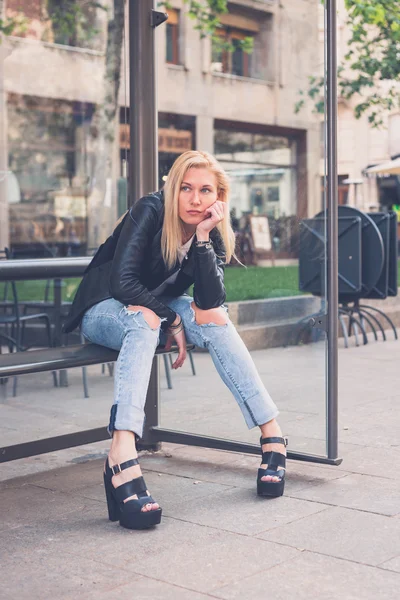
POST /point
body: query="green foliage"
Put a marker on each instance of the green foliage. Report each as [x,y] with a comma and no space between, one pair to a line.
[206,15]
[371,68]
[16,25]
[256,283]
[70,22]
[251,283]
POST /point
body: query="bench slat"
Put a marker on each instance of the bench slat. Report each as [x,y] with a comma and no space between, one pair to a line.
[65,357]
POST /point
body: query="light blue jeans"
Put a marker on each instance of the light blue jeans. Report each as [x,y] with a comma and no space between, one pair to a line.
[110,324]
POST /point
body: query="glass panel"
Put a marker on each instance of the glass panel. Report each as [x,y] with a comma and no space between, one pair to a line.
[64,153]
[58,127]
[62,188]
[274,156]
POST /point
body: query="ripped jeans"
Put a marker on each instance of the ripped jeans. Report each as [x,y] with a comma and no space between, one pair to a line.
[110,324]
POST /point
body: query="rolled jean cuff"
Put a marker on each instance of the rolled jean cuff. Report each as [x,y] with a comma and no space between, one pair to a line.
[258,410]
[126,417]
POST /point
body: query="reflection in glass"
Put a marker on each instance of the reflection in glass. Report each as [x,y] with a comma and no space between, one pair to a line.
[263,169]
[49,156]
[67,132]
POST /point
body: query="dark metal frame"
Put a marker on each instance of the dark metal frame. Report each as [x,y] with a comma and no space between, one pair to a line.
[332,233]
[143,177]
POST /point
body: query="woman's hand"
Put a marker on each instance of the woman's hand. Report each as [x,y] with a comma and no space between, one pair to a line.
[215,214]
[180,341]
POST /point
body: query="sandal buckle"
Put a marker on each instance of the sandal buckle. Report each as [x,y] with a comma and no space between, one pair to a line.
[116,469]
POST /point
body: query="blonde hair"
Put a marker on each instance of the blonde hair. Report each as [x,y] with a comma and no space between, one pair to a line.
[173,227]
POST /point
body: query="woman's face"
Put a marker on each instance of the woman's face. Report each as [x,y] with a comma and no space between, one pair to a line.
[198,192]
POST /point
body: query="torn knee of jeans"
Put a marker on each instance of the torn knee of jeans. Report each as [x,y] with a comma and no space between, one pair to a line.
[214,317]
[152,320]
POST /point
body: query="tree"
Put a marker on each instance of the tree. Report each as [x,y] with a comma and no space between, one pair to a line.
[370,71]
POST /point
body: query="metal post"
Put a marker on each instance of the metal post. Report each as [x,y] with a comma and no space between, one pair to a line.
[143,163]
[332,233]
[148,440]
[58,284]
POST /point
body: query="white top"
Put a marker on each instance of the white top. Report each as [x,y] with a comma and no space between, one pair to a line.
[182,251]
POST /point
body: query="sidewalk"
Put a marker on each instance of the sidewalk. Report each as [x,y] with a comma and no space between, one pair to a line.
[335,534]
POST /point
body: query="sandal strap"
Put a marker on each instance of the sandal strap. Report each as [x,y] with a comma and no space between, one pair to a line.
[131,488]
[116,469]
[277,460]
[135,506]
[273,459]
[274,440]
[272,472]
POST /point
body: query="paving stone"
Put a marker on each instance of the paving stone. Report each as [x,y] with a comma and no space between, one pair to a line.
[234,469]
[392,564]
[185,554]
[63,532]
[168,490]
[302,475]
[317,447]
[384,435]
[27,504]
[317,576]
[204,559]
[146,589]
[45,575]
[47,462]
[379,462]
[350,534]
[223,473]
[362,492]
[306,426]
[66,479]
[242,511]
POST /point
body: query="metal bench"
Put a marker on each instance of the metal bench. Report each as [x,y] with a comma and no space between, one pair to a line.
[55,359]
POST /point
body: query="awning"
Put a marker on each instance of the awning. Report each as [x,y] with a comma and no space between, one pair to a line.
[391,167]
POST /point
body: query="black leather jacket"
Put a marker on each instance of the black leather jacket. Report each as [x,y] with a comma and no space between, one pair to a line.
[130,264]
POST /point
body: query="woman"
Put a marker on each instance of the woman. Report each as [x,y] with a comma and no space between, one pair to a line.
[133,293]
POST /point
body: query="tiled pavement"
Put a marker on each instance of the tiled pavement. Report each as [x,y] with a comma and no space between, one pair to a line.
[334,535]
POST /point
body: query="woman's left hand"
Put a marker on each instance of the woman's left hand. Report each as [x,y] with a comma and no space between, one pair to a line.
[214,215]
[180,340]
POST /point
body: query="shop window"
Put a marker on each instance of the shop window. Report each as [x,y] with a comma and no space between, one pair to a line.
[50,161]
[176,134]
[264,170]
[172,35]
[235,61]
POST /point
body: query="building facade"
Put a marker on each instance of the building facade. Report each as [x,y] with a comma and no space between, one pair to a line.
[54,198]
[361,146]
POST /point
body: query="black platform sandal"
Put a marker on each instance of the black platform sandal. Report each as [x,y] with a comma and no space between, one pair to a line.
[274,460]
[129,514]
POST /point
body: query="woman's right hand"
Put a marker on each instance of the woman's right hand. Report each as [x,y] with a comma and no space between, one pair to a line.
[180,340]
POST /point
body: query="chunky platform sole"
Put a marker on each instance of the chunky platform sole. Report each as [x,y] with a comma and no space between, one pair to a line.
[142,520]
[270,489]
[129,514]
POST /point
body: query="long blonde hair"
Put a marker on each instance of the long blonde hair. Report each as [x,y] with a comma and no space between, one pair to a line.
[173,227]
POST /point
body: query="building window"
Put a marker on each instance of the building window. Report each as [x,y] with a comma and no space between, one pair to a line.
[66,22]
[236,61]
[50,158]
[172,47]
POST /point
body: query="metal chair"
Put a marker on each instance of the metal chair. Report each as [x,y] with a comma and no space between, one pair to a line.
[14,322]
